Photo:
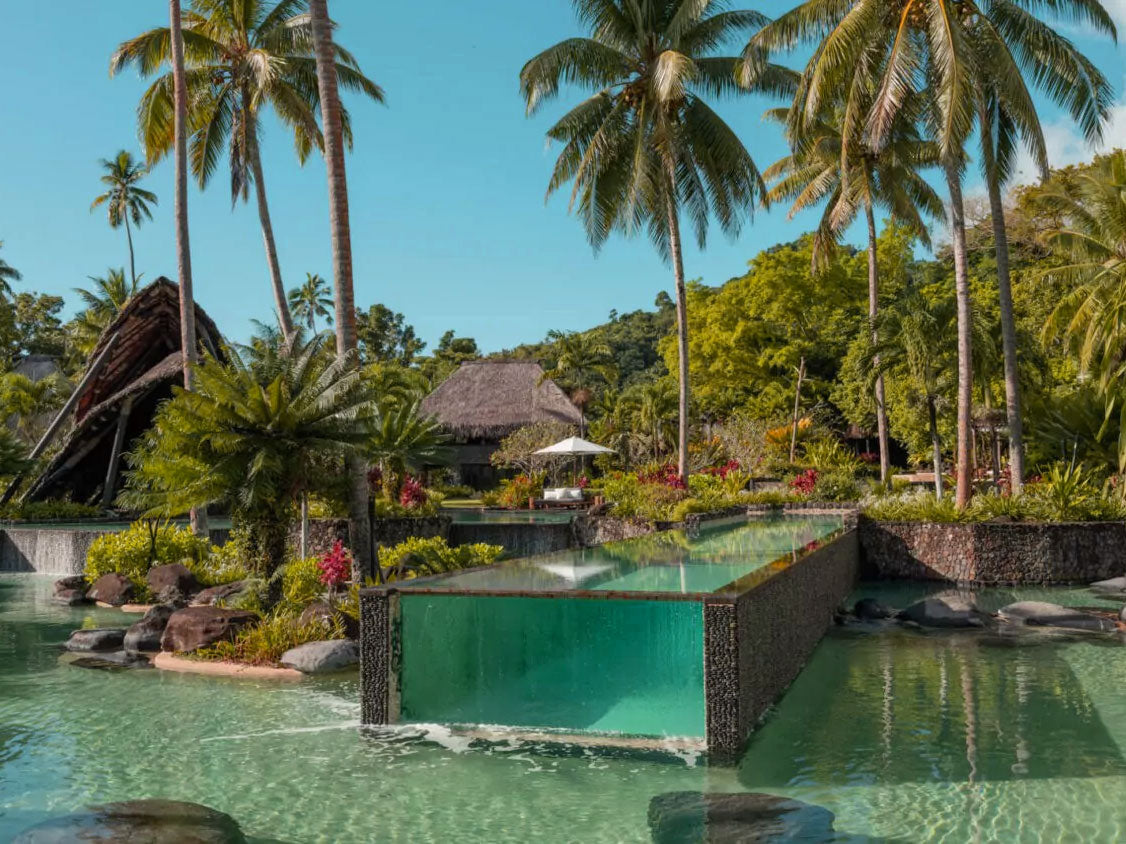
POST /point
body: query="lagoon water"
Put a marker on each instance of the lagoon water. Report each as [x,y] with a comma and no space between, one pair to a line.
[903,736]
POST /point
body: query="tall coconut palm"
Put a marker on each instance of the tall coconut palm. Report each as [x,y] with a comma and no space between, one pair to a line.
[879,58]
[333,121]
[242,55]
[188,350]
[816,171]
[125,199]
[647,147]
[101,303]
[311,300]
[8,274]
[581,360]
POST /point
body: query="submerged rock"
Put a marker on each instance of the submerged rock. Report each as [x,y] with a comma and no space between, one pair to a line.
[681,816]
[322,657]
[70,597]
[114,589]
[73,581]
[1043,614]
[108,660]
[139,822]
[869,609]
[213,594]
[947,611]
[146,634]
[197,627]
[98,639]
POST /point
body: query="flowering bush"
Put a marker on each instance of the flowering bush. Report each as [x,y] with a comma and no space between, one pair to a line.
[515,492]
[666,475]
[335,565]
[584,482]
[724,470]
[804,483]
[413,494]
[869,457]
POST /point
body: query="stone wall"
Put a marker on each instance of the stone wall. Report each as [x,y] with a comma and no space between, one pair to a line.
[324,532]
[379,657]
[518,539]
[994,553]
[757,642]
[590,529]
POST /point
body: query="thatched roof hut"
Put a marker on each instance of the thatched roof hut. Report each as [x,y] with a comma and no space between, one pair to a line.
[485,401]
[131,371]
[489,399]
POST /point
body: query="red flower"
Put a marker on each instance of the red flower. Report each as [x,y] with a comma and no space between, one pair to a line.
[413,494]
[804,483]
[869,457]
[666,475]
[584,482]
[336,565]
[375,478]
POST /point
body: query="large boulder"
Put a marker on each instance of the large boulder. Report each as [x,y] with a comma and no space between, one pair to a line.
[217,594]
[681,816]
[1043,614]
[322,657]
[174,578]
[869,609]
[113,588]
[70,597]
[146,634]
[197,627]
[73,581]
[947,611]
[1114,584]
[326,615]
[98,639]
[138,822]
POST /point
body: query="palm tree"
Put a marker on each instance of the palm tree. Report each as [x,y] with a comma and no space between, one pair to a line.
[8,274]
[253,440]
[403,440]
[580,360]
[335,129]
[125,199]
[865,178]
[101,305]
[311,300]
[31,405]
[646,146]
[242,55]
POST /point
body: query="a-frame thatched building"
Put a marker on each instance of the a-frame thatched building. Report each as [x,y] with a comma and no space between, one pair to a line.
[131,371]
[485,401]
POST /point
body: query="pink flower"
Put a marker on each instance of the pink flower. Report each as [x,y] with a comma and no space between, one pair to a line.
[804,483]
[413,494]
[336,565]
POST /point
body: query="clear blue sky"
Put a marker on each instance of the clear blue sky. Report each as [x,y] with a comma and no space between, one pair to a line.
[446,182]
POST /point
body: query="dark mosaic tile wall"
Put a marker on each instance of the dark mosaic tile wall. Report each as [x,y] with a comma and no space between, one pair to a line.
[994,553]
[379,658]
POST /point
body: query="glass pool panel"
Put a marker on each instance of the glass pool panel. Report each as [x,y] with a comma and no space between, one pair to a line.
[610,666]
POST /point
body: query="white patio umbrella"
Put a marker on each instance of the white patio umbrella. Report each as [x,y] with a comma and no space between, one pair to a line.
[574,447]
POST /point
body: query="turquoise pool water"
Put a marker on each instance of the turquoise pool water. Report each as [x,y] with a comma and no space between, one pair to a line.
[905,737]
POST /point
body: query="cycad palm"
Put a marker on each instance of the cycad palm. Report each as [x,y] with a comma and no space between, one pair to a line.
[8,274]
[311,300]
[403,440]
[646,147]
[580,361]
[252,442]
[241,55]
[820,170]
[104,301]
[125,199]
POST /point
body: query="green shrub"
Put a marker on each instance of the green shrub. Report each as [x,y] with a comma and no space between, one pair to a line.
[1061,501]
[828,454]
[771,497]
[634,499]
[838,485]
[301,584]
[42,511]
[418,557]
[515,492]
[133,551]
[265,642]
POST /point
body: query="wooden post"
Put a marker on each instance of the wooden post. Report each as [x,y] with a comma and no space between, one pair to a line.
[115,453]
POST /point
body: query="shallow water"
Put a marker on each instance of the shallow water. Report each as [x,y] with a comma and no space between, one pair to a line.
[904,736]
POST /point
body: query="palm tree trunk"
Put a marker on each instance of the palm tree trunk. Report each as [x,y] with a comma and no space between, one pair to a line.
[936,445]
[681,318]
[963,490]
[359,525]
[797,409]
[280,303]
[1005,299]
[188,350]
[873,312]
[129,240]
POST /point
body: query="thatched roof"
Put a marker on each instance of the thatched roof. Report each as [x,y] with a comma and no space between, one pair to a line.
[142,366]
[489,399]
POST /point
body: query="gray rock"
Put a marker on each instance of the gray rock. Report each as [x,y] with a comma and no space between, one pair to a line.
[870,609]
[107,660]
[172,576]
[74,581]
[325,614]
[213,594]
[1043,614]
[1114,584]
[98,639]
[196,627]
[70,597]
[944,611]
[751,818]
[138,822]
[115,589]
[145,635]
[321,657]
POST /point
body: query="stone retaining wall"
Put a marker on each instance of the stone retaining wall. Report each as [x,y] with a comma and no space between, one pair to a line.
[994,553]
[385,532]
[517,539]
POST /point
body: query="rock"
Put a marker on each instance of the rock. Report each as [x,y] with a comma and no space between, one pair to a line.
[114,589]
[174,576]
[138,822]
[172,596]
[108,660]
[74,581]
[70,597]
[98,639]
[1043,614]
[196,627]
[146,634]
[870,609]
[214,594]
[326,614]
[1115,584]
[944,611]
[322,657]
[729,818]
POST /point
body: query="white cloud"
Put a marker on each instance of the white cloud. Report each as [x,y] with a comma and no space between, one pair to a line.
[1067,146]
